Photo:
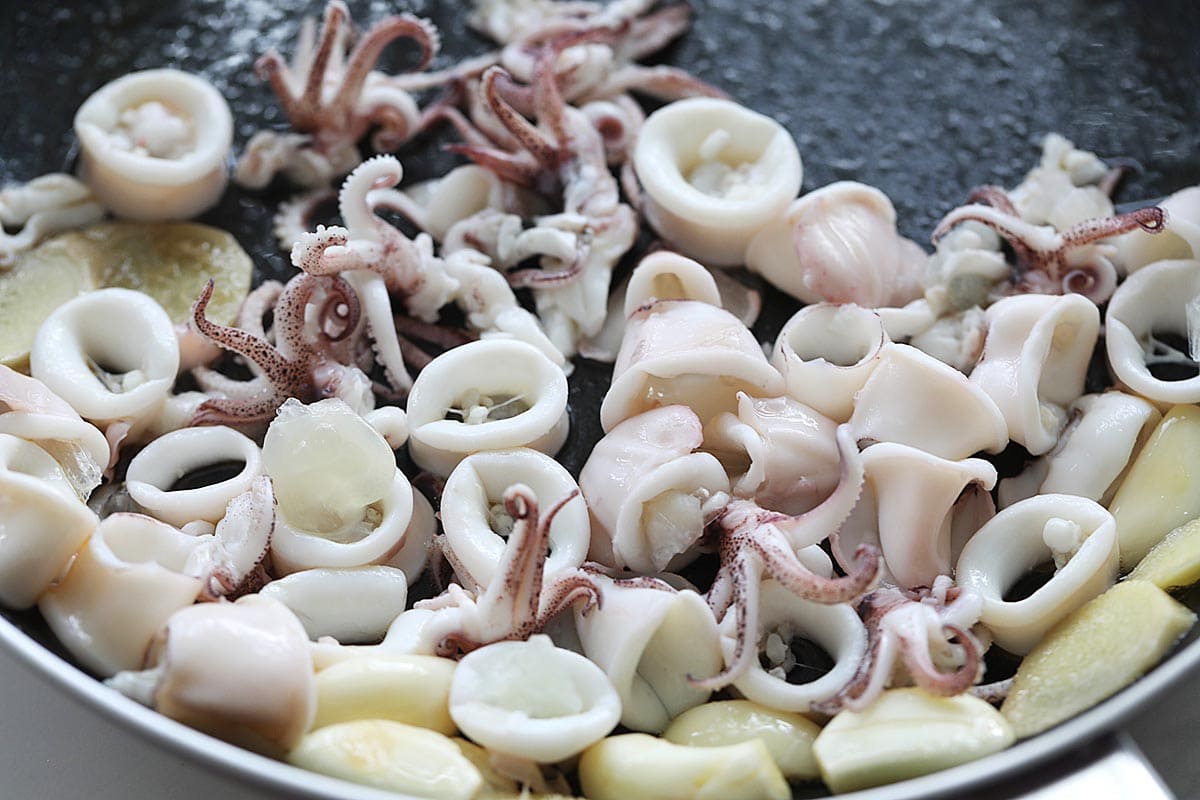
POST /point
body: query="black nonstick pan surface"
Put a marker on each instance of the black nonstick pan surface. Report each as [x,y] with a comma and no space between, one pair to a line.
[921,99]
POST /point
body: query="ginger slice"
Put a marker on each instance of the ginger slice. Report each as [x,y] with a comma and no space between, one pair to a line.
[1096,651]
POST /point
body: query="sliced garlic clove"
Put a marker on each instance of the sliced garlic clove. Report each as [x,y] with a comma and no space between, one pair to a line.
[904,734]
[353,604]
[487,395]
[636,766]
[154,144]
[714,174]
[1161,490]
[42,521]
[532,700]
[826,352]
[411,689]
[788,737]
[122,587]
[476,525]
[650,642]
[1053,527]
[154,471]
[391,756]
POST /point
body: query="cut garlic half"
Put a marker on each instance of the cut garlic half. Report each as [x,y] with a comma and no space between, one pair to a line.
[714,174]
[122,587]
[907,733]
[154,144]
[637,766]
[42,521]
[413,689]
[476,524]
[157,467]
[533,700]
[1077,534]
[487,395]
[390,755]
[788,736]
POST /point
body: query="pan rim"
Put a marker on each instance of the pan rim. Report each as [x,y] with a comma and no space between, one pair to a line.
[267,773]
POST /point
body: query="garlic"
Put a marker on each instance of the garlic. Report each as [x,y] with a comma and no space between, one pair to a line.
[153,144]
[788,737]
[714,174]
[904,734]
[391,756]
[1161,490]
[412,689]
[636,766]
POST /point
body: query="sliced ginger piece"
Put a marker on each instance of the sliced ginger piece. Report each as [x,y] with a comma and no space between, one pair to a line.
[1093,653]
[40,281]
[906,733]
[1175,561]
[1161,490]
[171,262]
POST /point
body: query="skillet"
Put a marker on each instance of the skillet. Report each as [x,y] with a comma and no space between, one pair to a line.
[922,99]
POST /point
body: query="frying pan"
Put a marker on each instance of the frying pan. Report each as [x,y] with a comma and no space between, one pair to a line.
[922,99]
